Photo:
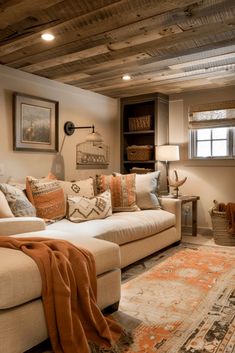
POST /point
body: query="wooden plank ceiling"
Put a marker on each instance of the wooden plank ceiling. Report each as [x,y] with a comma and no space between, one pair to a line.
[165,46]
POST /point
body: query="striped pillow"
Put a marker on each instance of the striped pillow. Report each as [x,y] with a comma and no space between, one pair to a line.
[47,196]
[122,188]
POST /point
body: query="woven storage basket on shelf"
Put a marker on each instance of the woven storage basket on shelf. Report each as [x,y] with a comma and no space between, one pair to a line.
[139,153]
[139,123]
[220,227]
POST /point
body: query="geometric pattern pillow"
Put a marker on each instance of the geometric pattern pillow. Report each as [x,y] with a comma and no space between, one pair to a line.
[83,209]
[47,196]
[17,201]
[122,188]
[80,188]
[146,190]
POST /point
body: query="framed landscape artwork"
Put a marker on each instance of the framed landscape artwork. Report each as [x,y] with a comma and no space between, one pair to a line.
[35,124]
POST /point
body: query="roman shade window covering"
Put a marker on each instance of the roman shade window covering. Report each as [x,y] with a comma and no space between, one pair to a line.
[212,115]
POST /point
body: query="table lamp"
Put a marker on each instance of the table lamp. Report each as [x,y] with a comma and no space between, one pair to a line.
[167,153]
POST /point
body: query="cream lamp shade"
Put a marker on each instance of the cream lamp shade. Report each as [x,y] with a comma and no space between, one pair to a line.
[167,153]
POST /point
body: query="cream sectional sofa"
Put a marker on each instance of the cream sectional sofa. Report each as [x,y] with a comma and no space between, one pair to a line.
[115,242]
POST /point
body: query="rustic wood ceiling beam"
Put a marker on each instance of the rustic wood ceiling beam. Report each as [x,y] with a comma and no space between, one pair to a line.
[147,63]
[144,26]
[10,10]
[120,66]
[131,60]
[202,32]
[140,12]
[161,76]
[102,49]
[27,39]
[163,87]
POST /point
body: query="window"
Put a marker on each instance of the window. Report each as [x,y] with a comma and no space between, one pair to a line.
[212,130]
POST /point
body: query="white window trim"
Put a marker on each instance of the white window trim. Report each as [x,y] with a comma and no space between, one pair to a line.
[194,125]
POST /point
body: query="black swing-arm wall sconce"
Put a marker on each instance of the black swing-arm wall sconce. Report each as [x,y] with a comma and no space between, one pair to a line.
[57,167]
[69,129]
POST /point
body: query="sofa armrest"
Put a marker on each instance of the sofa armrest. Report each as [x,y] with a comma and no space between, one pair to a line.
[173,206]
[16,225]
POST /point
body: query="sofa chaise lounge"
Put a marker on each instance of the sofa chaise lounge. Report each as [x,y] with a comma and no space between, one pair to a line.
[115,242]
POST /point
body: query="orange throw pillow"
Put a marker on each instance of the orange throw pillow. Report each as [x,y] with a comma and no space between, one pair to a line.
[122,188]
[47,196]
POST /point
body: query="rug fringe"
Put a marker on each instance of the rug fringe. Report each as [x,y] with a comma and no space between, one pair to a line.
[120,346]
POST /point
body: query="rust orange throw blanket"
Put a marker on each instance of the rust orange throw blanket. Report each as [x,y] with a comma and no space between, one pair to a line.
[74,321]
[230,212]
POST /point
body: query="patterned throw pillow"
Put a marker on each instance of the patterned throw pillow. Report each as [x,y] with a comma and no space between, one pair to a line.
[79,188]
[122,188]
[83,209]
[47,196]
[17,201]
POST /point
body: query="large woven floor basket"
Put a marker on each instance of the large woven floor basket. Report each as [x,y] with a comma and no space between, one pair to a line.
[220,227]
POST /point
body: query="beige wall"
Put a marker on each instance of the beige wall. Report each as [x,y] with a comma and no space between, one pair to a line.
[80,106]
[208,179]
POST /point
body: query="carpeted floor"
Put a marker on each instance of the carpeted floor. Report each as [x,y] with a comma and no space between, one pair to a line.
[181,300]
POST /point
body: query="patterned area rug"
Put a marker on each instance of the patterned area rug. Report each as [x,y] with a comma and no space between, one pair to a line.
[184,300]
[181,300]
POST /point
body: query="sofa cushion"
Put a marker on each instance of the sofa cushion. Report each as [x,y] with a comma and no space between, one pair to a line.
[16,225]
[80,209]
[146,190]
[20,279]
[17,201]
[121,227]
[47,196]
[5,211]
[122,188]
[83,187]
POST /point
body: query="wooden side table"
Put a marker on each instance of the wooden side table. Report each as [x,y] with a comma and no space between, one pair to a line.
[193,200]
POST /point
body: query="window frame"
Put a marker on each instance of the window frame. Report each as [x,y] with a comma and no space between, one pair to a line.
[205,124]
[229,144]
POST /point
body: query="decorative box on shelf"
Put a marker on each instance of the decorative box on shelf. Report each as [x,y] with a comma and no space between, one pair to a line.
[139,123]
[139,153]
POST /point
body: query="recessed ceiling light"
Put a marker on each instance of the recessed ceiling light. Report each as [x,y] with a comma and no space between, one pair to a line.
[47,36]
[126,77]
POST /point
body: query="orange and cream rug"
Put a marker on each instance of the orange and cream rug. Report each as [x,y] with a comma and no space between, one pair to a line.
[181,300]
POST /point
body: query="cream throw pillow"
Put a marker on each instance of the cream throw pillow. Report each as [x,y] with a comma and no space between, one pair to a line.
[146,190]
[79,188]
[5,211]
[83,209]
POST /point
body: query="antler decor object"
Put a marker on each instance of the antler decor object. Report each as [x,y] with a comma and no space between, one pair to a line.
[176,183]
